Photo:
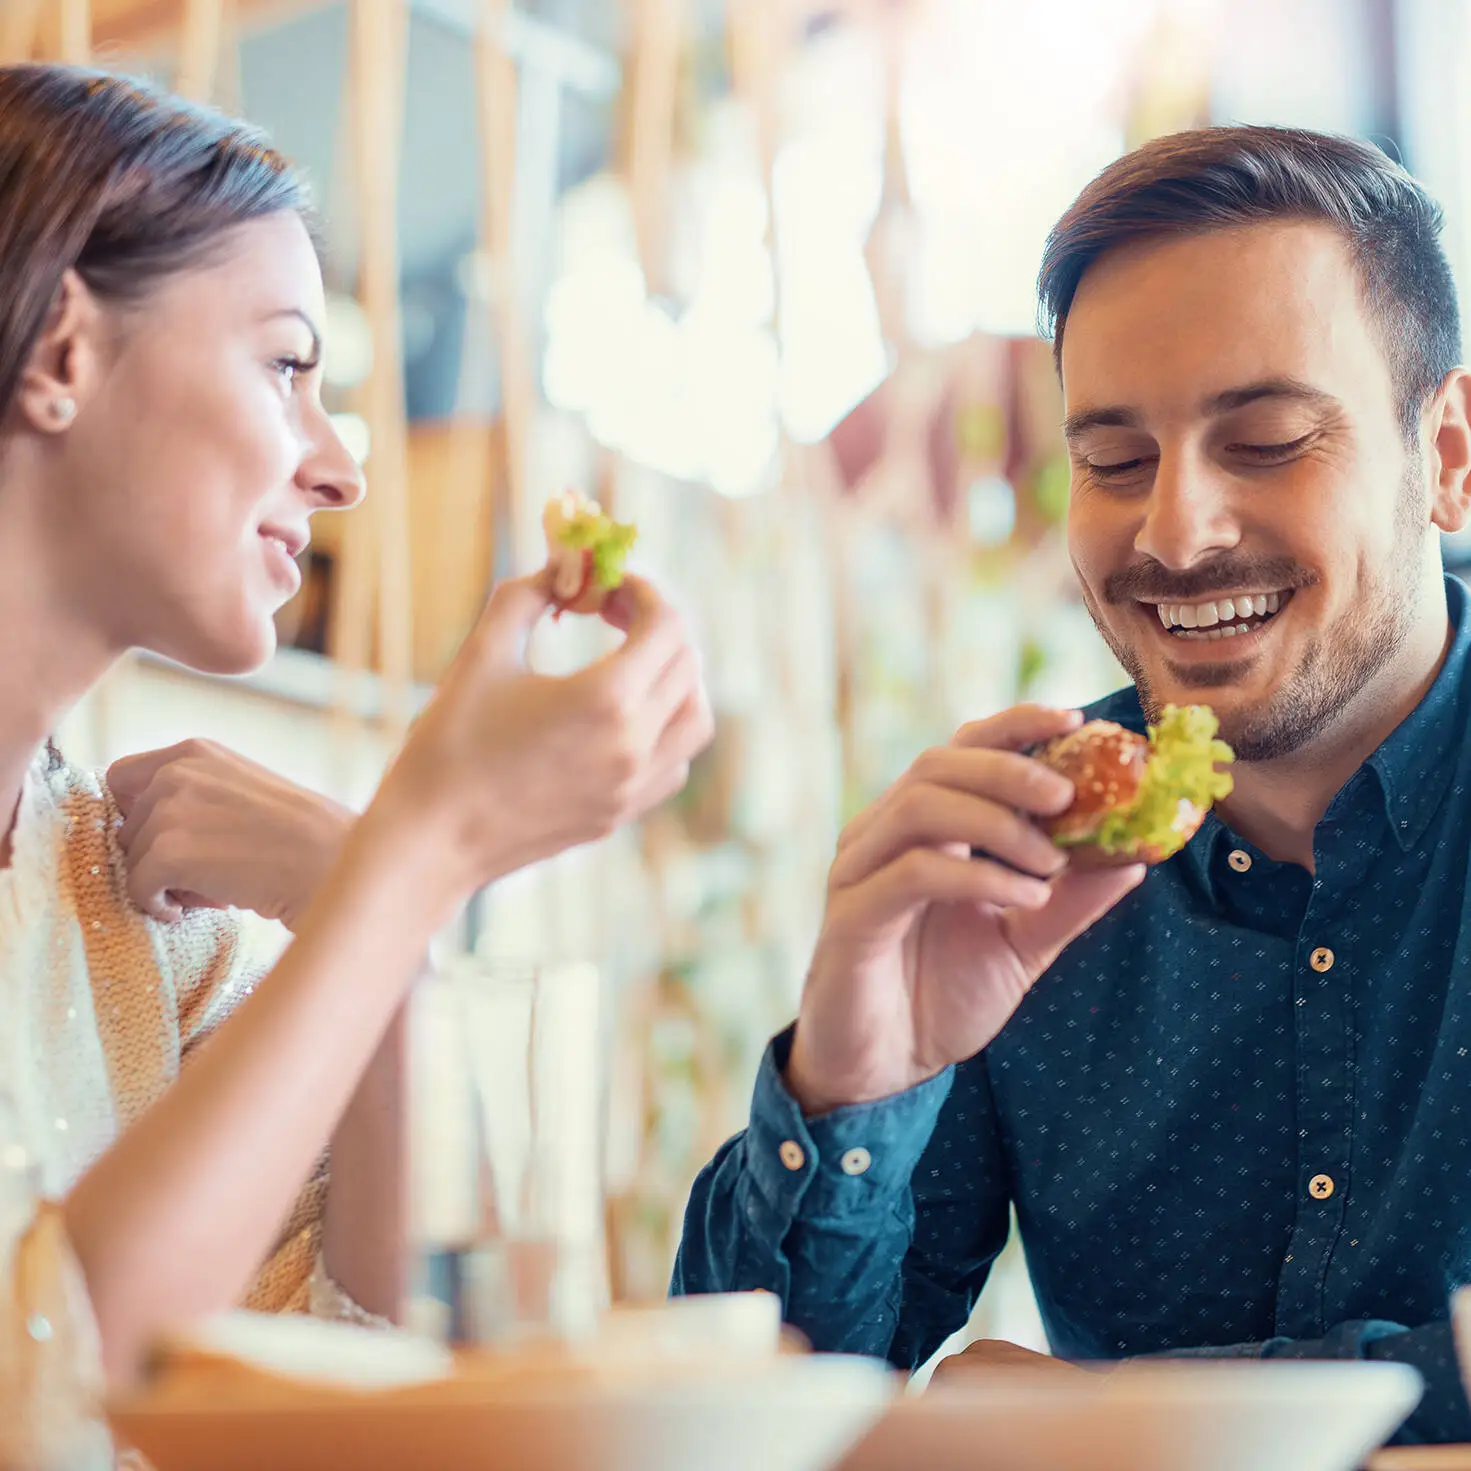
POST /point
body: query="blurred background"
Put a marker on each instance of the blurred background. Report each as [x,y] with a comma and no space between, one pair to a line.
[758,274]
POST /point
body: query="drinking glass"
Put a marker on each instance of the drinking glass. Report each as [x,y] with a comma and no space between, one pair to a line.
[508,1158]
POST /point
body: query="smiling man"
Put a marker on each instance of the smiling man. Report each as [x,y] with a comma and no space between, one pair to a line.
[1227,1099]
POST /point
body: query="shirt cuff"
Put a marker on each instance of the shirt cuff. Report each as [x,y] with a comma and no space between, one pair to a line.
[1345,1341]
[853,1161]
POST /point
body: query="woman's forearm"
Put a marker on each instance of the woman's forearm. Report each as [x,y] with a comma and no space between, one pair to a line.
[174,1220]
[365,1228]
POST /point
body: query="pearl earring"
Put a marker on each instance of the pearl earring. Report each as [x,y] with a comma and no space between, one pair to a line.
[63,410]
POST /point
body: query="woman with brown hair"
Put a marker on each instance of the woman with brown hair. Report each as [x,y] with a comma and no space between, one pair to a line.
[162,448]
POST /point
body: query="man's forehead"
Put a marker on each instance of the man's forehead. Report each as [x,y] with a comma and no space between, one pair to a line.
[1282,389]
[1198,318]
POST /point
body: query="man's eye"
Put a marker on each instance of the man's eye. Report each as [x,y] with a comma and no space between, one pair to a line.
[1270,454]
[1115,469]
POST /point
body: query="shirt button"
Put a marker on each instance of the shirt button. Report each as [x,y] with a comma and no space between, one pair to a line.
[1240,861]
[856,1161]
[1320,1187]
[1321,959]
[791,1154]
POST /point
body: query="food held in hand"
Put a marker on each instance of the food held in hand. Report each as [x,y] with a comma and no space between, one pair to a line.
[586,551]
[1139,799]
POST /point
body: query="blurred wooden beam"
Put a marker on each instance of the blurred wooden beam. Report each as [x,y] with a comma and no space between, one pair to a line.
[497,89]
[20,23]
[659,35]
[760,37]
[74,31]
[201,46]
[142,24]
[379,539]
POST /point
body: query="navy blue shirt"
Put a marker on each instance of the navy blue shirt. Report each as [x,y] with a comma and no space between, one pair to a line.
[1233,1118]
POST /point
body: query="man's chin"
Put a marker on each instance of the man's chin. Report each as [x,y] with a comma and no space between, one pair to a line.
[1225,687]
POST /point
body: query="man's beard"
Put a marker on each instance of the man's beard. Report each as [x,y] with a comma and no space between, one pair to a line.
[1339,662]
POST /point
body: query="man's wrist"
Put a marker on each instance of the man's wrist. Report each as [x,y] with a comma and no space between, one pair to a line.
[817,1095]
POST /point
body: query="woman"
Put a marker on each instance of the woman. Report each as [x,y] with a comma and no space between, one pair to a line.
[162,448]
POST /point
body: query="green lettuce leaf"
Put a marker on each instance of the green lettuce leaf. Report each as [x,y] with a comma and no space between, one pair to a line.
[609,542]
[1181,766]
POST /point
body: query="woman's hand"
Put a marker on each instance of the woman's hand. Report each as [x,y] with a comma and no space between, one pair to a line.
[511,767]
[206,828]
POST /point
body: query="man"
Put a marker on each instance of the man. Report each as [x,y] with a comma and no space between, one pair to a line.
[1230,1100]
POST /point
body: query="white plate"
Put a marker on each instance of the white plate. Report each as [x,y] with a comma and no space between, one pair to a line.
[793,1414]
[1223,1416]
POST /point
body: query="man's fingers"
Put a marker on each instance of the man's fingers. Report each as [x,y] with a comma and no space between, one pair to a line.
[1003,777]
[924,876]
[1019,727]
[1080,898]
[923,815]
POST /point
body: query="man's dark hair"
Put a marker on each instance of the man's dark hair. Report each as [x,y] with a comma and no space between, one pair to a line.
[1222,178]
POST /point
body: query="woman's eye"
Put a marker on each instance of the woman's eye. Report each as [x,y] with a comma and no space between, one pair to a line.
[288,369]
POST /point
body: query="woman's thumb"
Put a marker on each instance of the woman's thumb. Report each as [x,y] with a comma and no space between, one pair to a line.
[514,609]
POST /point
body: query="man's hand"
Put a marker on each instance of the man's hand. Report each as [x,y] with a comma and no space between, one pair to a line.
[205,828]
[926,950]
[997,1353]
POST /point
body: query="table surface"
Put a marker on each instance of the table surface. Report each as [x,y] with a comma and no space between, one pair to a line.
[1422,1458]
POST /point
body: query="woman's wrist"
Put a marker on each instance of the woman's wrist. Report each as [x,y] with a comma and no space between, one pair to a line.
[417,854]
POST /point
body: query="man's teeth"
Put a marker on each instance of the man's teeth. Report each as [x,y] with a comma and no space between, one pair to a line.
[1220,619]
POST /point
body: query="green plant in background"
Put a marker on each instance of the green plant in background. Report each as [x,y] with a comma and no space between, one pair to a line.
[1051,489]
[1031,660]
[980,431]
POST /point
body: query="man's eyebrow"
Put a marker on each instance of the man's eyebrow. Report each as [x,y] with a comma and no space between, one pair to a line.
[306,321]
[1293,389]
[1116,416]
[1120,416]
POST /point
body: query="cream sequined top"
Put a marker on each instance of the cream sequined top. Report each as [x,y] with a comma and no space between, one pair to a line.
[100,1006]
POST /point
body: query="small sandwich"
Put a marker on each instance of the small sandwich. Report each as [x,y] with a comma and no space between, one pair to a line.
[586,552]
[1139,799]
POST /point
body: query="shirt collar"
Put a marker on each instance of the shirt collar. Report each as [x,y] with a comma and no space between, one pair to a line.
[1416,760]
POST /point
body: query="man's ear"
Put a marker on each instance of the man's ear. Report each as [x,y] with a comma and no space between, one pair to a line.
[1450,452]
[65,363]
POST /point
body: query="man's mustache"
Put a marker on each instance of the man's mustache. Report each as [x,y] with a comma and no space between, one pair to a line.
[1149,582]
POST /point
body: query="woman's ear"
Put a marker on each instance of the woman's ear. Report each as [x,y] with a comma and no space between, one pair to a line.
[1450,452]
[64,365]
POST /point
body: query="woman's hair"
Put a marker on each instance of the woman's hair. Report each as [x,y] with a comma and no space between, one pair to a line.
[121,182]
